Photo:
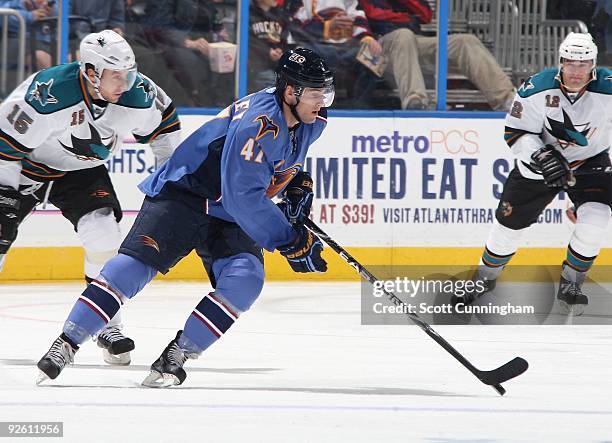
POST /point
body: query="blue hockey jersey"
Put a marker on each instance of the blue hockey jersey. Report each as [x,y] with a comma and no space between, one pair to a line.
[237,162]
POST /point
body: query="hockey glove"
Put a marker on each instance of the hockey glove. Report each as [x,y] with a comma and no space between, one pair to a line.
[304,254]
[554,167]
[297,198]
[9,216]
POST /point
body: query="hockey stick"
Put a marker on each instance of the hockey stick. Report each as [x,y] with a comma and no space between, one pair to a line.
[494,378]
[593,170]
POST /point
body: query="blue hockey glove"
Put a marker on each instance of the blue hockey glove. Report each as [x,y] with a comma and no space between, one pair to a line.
[9,215]
[554,167]
[304,254]
[297,198]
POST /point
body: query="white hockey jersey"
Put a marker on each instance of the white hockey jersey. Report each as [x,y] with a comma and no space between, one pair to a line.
[544,112]
[50,124]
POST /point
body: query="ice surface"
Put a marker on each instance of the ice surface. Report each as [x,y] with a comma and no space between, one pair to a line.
[299,367]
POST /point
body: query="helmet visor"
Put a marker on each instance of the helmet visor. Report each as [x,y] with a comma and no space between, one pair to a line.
[318,96]
[130,78]
[125,77]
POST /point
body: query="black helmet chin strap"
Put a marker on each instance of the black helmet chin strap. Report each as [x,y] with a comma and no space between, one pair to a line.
[293,109]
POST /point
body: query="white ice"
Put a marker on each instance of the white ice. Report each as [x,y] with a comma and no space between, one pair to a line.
[299,367]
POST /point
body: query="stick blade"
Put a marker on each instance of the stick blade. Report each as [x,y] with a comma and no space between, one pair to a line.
[512,369]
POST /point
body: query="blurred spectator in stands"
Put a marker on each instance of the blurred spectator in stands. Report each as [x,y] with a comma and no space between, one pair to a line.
[225,15]
[398,24]
[96,15]
[571,10]
[602,31]
[595,14]
[104,14]
[336,29]
[268,30]
[32,11]
[180,32]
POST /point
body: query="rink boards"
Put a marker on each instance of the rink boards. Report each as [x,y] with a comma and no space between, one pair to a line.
[393,189]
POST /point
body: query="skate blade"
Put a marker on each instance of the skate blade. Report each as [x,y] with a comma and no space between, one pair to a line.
[42,377]
[577,310]
[117,360]
[571,310]
[157,380]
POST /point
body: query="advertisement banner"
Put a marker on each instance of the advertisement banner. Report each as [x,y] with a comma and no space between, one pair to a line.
[379,182]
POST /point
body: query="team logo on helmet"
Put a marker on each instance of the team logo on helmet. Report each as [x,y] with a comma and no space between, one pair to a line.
[101,41]
[42,93]
[297,58]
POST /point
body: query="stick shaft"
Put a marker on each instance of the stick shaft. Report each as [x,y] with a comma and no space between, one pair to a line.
[396,301]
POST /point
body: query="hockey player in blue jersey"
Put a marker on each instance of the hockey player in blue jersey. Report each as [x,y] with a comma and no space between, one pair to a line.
[214,195]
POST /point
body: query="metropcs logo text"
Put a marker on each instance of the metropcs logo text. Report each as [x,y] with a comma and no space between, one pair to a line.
[451,141]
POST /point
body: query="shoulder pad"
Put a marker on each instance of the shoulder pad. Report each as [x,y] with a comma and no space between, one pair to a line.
[263,116]
[542,81]
[603,84]
[55,88]
[141,96]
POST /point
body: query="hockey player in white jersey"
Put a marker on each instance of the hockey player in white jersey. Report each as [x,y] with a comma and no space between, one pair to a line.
[560,122]
[57,130]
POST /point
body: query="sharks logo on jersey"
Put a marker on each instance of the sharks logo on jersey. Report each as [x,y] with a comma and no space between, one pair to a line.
[42,93]
[568,131]
[92,148]
[147,89]
[527,85]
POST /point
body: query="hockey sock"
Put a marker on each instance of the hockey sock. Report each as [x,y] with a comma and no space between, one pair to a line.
[211,318]
[92,311]
[577,262]
[491,264]
[499,250]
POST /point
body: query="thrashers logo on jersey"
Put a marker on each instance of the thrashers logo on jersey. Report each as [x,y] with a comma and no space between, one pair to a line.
[92,148]
[280,180]
[148,241]
[266,125]
[566,131]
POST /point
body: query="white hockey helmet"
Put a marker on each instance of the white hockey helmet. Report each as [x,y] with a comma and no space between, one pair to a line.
[577,46]
[107,50]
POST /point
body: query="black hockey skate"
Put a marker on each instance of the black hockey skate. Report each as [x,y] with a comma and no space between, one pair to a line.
[168,370]
[570,297]
[53,362]
[115,346]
